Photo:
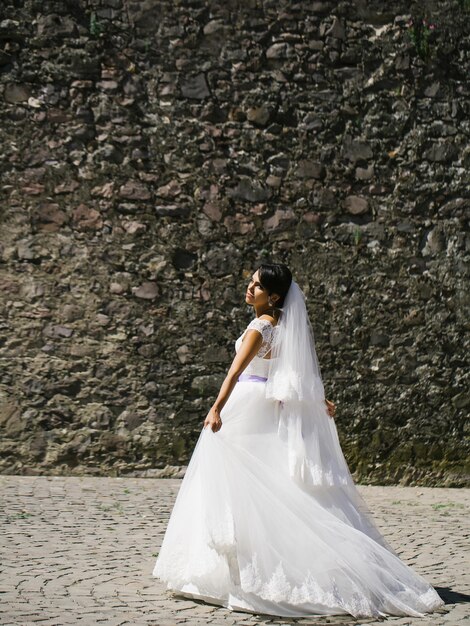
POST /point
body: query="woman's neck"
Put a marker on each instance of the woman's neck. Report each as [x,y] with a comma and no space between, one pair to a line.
[274,312]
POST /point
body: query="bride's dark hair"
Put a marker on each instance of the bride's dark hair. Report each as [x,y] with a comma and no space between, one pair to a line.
[275,278]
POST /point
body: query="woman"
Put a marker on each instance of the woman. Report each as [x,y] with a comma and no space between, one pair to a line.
[267,518]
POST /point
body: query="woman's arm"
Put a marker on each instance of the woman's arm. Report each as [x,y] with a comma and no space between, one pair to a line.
[331,406]
[250,345]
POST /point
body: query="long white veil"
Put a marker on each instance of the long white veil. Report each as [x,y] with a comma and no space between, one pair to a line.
[315,457]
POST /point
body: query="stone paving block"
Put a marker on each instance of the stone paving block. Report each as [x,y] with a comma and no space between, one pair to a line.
[81,550]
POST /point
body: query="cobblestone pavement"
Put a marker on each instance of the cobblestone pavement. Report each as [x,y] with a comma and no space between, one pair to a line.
[81,551]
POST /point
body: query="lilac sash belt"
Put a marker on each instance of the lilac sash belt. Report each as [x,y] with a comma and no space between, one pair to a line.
[251,377]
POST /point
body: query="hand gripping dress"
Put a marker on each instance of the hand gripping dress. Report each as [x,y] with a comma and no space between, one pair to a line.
[243,535]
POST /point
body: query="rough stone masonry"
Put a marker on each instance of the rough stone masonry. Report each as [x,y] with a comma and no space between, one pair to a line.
[155,151]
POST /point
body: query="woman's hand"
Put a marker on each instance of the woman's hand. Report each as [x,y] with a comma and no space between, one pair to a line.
[213,420]
[331,407]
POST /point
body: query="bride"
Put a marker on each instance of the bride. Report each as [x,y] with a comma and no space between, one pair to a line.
[267,518]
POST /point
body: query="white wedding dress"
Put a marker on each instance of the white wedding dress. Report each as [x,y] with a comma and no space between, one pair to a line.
[243,535]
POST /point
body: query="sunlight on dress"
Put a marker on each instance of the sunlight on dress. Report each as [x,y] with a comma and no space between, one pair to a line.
[242,534]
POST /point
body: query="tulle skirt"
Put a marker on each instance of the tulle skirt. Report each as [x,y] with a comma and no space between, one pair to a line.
[243,535]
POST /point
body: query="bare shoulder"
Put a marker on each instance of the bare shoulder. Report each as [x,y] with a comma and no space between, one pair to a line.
[269,318]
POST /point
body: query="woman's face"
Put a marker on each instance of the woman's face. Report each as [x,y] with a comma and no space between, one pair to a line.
[256,295]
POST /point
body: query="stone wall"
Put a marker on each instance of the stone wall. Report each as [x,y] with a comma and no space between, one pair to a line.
[156,151]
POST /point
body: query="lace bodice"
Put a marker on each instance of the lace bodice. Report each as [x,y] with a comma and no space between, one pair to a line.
[259,365]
